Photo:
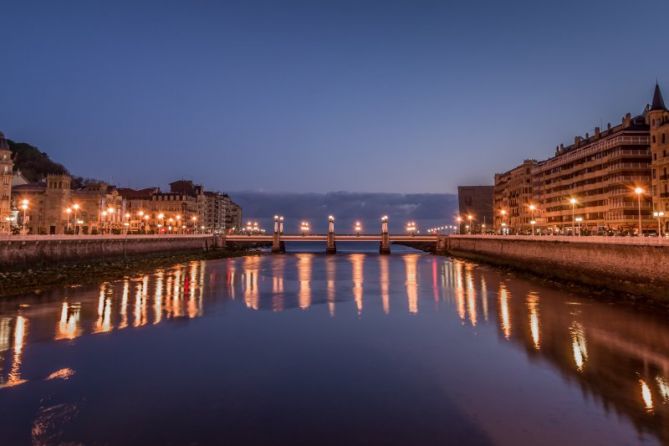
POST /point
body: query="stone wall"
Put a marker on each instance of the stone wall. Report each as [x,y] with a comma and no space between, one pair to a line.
[32,250]
[631,265]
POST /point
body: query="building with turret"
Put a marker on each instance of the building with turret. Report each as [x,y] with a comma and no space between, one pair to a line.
[603,182]
[6,168]
[658,119]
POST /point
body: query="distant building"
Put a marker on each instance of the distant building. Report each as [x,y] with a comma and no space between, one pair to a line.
[6,166]
[186,207]
[215,211]
[590,185]
[233,219]
[477,202]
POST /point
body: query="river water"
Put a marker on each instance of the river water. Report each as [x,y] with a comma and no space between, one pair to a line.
[352,349]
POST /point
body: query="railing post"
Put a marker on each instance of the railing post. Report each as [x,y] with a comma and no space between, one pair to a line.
[385,238]
[277,245]
[331,244]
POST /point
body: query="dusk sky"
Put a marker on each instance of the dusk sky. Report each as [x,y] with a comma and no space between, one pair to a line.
[315,96]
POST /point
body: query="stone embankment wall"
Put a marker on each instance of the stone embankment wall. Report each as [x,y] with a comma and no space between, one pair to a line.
[17,251]
[638,266]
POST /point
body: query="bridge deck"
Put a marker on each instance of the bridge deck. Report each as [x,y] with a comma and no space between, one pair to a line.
[324,237]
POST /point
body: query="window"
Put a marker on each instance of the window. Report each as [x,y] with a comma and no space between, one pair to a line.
[664,138]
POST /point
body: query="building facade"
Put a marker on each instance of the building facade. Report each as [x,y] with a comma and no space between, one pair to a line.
[475,204]
[603,183]
[513,196]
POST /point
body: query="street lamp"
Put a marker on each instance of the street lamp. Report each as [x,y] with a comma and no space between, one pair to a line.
[68,211]
[304,227]
[532,220]
[573,202]
[579,220]
[25,203]
[357,228]
[411,228]
[639,191]
[459,220]
[502,212]
[75,208]
[659,215]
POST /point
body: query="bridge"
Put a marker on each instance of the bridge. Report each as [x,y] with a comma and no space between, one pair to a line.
[384,238]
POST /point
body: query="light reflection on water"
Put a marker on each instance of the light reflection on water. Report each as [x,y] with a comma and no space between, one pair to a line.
[607,358]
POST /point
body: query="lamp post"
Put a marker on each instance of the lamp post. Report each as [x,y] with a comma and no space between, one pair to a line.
[161,216]
[573,202]
[459,220]
[68,211]
[532,220]
[411,228]
[659,215]
[25,203]
[304,227]
[639,191]
[75,208]
[357,228]
[579,220]
[503,214]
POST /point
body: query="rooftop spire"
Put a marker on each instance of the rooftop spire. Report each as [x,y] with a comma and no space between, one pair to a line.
[3,142]
[658,102]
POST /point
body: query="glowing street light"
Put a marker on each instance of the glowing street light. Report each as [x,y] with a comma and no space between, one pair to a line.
[411,228]
[357,228]
[639,192]
[25,204]
[304,227]
[75,209]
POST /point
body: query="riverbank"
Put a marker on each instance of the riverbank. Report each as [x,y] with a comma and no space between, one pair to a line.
[636,268]
[559,271]
[45,276]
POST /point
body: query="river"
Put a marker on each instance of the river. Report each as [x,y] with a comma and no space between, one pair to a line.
[356,348]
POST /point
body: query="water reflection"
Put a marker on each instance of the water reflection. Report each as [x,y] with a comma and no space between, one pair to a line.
[411,282]
[330,278]
[384,283]
[304,278]
[616,357]
[357,261]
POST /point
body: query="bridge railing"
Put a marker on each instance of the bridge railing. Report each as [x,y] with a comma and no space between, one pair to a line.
[64,237]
